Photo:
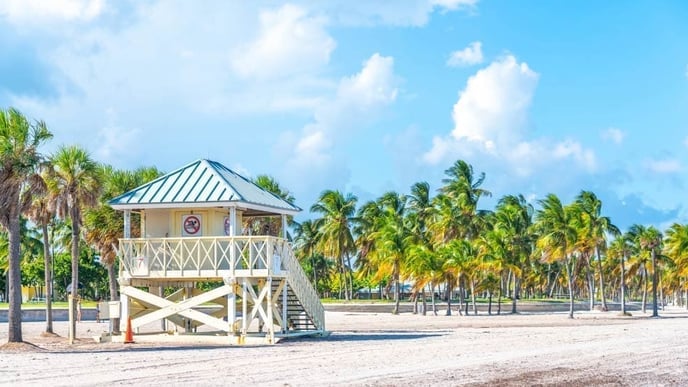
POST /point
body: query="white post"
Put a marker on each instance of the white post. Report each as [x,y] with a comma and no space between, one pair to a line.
[270,322]
[124,313]
[244,307]
[284,306]
[232,222]
[127,223]
[231,305]
[284,226]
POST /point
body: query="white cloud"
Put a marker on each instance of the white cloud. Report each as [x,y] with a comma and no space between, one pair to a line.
[614,135]
[290,41]
[490,122]
[471,55]
[357,103]
[454,4]
[664,166]
[37,12]
[382,12]
[117,143]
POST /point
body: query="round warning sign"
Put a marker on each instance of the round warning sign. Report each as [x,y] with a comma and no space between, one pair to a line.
[192,225]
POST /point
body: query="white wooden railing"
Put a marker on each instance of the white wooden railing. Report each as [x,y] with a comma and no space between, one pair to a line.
[219,257]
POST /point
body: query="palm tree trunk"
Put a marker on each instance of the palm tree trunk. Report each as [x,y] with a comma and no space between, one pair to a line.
[489,302]
[434,307]
[114,296]
[623,287]
[517,290]
[315,274]
[654,283]
[351,276]
[554,284]
[599,267]
[14,279]
[591,284]
[47,259]
[425,303]
[415,302]
[397,290]
[569,274]
[644,281]
[74,215]
[449,294]
[475,306]
[499,301]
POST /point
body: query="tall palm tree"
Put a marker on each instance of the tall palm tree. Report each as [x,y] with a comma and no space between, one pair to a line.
[42,213]
[649,239]
[337,215]
[393,241]
[620,249]
[557,236]
[513,220]
[76,184]
[595,229]
[19,161]
[104,226]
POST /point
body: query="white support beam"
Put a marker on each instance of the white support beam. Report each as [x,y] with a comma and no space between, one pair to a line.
[284,226]
[127,224]
[183,308]
[233,229]
[244,306]
[231,304]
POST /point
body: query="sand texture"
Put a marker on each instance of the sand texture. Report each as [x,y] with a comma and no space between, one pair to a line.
[596,348]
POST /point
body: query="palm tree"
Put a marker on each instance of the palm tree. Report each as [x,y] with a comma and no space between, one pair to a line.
[513,219]
[104,226]
[270,226]
[557,236]
[620,248]
[19,160]
[649,239]
[595,229]
[393,241]
[337,215]
[76,184]
[42,213]
[306,244]
[676,247]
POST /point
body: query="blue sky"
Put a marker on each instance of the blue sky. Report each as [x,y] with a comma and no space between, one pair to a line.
[370,96]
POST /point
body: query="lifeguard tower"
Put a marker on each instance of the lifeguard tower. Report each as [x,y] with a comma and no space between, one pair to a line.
[195,271]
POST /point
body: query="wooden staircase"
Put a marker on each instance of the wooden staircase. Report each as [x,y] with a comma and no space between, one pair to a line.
[298,319]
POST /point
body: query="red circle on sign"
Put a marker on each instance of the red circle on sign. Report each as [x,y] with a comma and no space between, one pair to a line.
[192,224]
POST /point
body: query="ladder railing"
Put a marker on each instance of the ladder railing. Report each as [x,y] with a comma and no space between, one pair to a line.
[302,288]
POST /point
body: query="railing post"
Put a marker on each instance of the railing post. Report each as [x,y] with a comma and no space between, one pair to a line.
[284,306]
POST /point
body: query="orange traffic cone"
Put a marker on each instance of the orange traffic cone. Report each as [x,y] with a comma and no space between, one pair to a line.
[129,335]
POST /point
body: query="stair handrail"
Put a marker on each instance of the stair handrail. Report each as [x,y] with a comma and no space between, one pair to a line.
[302,287]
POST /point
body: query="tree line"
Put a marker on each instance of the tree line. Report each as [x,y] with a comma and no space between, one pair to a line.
[445,243]
[55,206]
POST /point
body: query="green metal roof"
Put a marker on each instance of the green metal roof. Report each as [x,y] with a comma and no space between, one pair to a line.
[203,183]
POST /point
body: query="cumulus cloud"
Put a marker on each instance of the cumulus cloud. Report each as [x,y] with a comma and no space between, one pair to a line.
[614,135]
[290,41]
[36,12]
[664,166]
[491,122]
[357,103]
[471,55]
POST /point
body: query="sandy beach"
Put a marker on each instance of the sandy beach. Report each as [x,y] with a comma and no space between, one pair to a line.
[373,349]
